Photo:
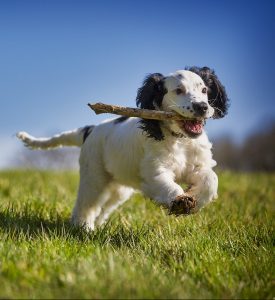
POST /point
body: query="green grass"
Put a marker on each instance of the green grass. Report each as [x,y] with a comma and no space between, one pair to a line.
[225,251]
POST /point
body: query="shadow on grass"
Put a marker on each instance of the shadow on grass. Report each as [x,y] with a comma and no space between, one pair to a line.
[28,225]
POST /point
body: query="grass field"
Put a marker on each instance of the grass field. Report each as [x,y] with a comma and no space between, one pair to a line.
[226,251]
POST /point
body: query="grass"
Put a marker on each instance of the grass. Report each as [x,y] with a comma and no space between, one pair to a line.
[226,251]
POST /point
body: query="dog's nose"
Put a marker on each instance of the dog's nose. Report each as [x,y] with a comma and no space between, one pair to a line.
[200,108]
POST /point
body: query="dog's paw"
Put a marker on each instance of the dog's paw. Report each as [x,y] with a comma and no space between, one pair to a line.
[182,205]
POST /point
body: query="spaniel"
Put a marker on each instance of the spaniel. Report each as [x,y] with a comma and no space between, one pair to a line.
[122,155]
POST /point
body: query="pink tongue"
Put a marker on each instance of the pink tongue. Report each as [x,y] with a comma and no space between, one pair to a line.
[194,126]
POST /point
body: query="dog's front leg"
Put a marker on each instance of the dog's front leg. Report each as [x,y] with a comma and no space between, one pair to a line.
[203,186]
[159,185]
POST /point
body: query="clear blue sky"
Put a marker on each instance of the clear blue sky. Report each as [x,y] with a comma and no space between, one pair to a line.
[55,56]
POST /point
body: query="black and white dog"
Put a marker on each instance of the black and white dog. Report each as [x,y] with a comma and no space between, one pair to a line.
[122,155]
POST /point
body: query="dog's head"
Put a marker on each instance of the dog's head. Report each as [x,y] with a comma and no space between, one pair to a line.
[195,93]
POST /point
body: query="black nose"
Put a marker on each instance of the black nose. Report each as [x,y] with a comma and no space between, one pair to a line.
[200,108]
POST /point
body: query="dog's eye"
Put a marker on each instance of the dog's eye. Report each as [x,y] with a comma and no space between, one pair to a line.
[204,90]
[179,91]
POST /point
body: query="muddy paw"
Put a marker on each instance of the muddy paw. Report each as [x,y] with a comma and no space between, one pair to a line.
[182,205]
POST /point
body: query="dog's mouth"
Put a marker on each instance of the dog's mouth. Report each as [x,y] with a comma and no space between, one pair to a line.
[192,127]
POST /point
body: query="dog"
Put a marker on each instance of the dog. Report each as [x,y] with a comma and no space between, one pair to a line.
[125,154]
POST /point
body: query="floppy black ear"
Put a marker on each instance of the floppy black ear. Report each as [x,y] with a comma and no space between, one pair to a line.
[217,96]
[150,96]
[151,93]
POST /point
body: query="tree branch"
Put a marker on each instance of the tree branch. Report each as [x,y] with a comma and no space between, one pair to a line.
[100,108]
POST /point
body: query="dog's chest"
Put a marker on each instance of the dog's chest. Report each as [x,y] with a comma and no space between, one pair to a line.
[185,157]
[177,160]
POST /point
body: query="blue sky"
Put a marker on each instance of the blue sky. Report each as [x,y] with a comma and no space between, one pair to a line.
[56,56]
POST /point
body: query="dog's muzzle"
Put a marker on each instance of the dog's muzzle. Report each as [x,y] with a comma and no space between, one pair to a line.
[200,109]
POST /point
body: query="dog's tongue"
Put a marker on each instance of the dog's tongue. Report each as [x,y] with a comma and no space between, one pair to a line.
[194,126]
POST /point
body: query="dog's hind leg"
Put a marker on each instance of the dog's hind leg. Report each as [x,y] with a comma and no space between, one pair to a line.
[93,192]
[118,194]
[88,205]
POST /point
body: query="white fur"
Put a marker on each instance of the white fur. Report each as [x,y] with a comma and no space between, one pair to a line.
[118,158]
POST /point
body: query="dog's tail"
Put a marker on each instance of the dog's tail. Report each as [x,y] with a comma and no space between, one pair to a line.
[67,138]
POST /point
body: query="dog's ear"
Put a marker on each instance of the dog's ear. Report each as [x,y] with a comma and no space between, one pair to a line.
[150,96]
[217,96]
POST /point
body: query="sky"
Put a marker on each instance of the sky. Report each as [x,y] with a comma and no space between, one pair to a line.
[56,56]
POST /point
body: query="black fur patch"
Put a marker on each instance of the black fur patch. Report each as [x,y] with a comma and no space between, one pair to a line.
[150,96]
[217,96]
[120,120]
[86,131]
[152,129]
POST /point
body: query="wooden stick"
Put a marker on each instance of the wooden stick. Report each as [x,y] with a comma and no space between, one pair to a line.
[100,108]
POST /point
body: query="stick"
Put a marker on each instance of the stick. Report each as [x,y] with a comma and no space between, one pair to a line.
[100,108]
